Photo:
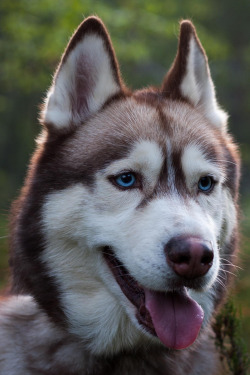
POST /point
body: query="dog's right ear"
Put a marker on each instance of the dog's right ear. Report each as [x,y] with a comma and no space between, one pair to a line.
[87,76]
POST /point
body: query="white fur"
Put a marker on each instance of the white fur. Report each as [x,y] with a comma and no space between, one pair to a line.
[78,267]
[198,87]
[91,54]
[146,158]
[31,344]
[190,86]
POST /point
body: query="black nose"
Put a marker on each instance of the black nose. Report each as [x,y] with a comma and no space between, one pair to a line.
[189,257]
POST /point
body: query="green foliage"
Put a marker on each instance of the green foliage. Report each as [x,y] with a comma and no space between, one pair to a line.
[232,349]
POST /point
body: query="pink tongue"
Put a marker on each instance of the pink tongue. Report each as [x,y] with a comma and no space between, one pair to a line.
[176,317]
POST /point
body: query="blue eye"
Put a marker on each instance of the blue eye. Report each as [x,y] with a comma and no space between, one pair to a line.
[126,180]
[206,183]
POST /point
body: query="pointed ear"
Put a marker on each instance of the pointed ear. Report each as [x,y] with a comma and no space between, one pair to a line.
[87,76]
[189,77]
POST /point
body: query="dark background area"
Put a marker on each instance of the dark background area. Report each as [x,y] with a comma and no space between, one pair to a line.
[33,34]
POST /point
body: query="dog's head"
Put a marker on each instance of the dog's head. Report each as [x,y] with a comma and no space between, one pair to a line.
[128,221]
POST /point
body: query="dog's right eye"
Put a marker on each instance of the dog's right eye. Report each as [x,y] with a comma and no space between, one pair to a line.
[126,180]
[206,184]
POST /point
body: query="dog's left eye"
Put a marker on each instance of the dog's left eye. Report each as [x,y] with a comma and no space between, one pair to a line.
[206,184]
[125,180]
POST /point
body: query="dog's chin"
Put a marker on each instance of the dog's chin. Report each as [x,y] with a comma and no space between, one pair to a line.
[171,316]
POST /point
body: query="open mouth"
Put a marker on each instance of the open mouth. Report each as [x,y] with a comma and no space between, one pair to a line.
[173,317]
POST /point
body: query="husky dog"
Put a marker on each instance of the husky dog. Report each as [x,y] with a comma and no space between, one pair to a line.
[127,223]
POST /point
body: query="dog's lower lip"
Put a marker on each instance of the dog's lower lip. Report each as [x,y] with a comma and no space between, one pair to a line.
[128,284]
[130,287]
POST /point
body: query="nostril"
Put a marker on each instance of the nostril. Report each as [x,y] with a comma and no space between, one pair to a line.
[207,256]
[206,259]
[184,259]
[178,256]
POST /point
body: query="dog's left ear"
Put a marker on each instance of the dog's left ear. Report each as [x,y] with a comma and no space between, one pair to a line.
[87,76]
[189,77]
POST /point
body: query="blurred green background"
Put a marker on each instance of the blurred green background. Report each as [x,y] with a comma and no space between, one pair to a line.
[33,34]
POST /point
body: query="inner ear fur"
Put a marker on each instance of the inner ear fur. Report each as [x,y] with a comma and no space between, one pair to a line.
[172,82]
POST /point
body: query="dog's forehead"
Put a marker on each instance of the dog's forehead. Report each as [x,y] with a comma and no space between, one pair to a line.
[112,133]
[133,119]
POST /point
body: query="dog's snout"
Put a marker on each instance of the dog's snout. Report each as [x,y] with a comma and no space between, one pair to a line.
[189,257]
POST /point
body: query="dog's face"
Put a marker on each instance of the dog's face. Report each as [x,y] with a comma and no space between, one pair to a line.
[138,198]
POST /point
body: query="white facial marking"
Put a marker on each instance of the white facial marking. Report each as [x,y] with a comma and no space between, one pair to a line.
[146,157]
[89,293]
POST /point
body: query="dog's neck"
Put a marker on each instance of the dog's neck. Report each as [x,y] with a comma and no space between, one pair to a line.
[64,352]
